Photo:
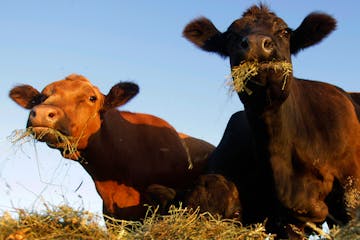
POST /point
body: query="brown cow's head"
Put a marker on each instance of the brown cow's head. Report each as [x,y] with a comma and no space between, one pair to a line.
[260,37]
[72,107]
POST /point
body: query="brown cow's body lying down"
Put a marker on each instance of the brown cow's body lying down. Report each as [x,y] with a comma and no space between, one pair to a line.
[133,158]
[306,133]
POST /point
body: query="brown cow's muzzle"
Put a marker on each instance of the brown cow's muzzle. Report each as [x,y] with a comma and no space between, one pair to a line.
[45,116]
[44,124]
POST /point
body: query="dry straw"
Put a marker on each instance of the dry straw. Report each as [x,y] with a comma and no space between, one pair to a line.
[64,142]
[60,222]
[66,223]
[241,74]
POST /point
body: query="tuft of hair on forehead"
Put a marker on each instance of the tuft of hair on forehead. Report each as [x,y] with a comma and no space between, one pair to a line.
[76,77]
[257,10]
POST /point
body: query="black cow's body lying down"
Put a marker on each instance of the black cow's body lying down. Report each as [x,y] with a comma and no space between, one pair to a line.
[305,133]
[237,150]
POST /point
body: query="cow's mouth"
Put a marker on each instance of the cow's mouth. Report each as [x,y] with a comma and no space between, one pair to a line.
[247,70]
[53,138]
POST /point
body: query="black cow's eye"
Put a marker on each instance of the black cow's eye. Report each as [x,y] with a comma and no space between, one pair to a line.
[285,32]
[93,98]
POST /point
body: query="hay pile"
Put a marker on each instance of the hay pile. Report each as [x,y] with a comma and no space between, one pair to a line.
[58,223]
[65,223]
[241,74]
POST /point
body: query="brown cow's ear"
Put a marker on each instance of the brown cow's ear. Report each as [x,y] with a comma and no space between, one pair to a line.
[25,95]
[314,28]
[205,35]
[120,94]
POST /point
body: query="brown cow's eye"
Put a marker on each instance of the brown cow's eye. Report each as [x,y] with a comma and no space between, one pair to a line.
[38,99]
[93,98]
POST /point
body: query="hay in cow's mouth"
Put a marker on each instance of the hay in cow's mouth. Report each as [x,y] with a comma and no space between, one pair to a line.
[241,74]
[63,143]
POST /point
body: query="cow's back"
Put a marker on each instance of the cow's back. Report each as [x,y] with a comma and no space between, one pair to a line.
[140,149]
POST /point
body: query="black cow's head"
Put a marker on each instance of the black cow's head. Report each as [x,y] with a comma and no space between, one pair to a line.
[260,39]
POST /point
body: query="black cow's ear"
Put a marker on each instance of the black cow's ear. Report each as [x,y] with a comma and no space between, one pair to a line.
[205,35]
[120,94]
[25,95]
[314,28]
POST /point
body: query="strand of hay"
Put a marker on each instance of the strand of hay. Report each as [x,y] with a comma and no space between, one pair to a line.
[319,231]
[22,136]
[240,75]
[188,155]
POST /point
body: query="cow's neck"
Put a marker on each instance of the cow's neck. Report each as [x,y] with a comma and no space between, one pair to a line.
[269,117]
[104,153]
[275,120]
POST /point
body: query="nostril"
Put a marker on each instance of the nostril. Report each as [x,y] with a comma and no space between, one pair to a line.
[267,44]
[244,43]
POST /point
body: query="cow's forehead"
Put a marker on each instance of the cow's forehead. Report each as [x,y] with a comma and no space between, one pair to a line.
[80,85]
[257,16]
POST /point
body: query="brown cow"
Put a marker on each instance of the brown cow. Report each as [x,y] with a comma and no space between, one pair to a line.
[131,157]
[306,132]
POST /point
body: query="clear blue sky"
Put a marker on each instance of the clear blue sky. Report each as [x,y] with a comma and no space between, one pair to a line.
[109,41]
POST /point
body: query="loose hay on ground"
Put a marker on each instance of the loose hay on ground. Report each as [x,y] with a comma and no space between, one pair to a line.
[184,224]
[65,223]
[60,222]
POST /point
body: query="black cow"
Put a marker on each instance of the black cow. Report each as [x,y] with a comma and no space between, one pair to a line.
[305,132]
